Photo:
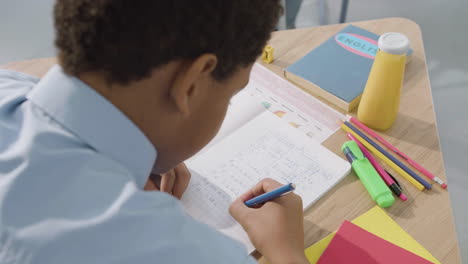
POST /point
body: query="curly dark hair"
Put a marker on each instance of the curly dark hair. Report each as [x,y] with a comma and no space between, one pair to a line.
[127,39]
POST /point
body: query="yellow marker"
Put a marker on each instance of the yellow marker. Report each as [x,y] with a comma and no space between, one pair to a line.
[384,158]
[267,54]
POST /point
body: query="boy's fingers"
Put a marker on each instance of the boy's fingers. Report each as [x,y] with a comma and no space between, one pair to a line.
[265,185]
[239,210]
[268,185]
[167,181]
[156,178]
[182,179]
[151,185]
[290,199]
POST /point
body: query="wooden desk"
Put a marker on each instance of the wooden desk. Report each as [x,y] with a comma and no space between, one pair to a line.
[427,216]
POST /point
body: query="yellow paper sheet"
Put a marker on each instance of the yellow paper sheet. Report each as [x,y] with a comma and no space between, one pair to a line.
[380,224]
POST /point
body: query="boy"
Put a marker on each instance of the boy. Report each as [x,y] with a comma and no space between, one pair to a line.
[140,87]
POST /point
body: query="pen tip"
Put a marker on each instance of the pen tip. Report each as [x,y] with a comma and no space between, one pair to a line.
[444,186]
[403,197]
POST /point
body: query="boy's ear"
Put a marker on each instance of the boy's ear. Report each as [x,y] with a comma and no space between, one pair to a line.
[190,81]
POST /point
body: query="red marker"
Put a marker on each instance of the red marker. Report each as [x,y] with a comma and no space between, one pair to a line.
[398,152]
[396,189]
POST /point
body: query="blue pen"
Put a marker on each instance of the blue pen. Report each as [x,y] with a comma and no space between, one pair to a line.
[396,161]
[271,195]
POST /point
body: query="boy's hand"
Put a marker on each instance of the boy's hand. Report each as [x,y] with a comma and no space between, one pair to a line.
[276,228]
[174,182]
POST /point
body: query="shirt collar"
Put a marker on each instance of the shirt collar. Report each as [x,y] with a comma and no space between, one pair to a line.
[91,117]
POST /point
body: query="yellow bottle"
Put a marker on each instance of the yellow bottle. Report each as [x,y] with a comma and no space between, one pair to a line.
[380,101]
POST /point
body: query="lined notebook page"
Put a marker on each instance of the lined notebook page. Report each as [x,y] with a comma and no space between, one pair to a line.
[263,148]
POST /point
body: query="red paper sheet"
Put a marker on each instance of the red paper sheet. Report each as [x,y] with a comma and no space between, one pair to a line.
[353,244]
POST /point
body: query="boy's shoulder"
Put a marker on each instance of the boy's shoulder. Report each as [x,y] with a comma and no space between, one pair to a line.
[65,202]
[7,76]
[15,82]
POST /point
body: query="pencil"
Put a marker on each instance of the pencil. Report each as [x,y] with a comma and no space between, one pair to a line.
[381,156]
[398,152]
[392,158]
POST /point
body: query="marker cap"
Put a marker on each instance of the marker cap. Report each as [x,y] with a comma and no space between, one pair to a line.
[394,43]
[385,200]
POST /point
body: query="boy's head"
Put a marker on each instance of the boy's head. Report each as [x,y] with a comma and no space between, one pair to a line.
[170,65]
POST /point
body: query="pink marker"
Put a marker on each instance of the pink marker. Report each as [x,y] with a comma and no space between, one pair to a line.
[398,152]
[387,179]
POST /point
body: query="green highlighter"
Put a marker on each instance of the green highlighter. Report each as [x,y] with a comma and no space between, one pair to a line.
[374,184]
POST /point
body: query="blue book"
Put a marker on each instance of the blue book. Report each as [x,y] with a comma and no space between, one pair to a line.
[337,70]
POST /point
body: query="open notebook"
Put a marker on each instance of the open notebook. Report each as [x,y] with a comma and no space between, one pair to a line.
[253,144]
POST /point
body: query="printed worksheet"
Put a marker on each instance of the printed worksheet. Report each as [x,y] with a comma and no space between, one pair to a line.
[293,105]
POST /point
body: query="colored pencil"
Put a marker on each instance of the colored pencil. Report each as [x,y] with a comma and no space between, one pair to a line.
[398,152]
[392,158]
[382,157]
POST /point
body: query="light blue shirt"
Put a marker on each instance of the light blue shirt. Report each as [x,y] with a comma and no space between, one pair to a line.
[72,170]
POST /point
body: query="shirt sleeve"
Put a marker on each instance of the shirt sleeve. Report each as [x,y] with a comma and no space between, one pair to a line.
[95,214]
[62,201]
